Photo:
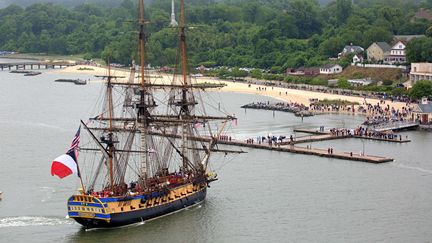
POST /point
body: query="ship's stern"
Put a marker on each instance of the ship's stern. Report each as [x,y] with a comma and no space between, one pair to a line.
[88,211]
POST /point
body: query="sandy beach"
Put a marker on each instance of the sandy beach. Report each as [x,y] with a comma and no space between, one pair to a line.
[283,94]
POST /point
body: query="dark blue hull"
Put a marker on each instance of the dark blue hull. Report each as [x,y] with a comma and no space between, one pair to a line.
[136,216]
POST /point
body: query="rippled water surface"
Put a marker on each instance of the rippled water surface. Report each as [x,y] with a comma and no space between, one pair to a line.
[261,196]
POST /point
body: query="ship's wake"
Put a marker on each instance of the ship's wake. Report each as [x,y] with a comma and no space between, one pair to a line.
[413,168]
[25,221]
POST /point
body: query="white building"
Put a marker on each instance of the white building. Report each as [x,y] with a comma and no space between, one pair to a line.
[422,112]
[331,69]
[397,53]
[420,71]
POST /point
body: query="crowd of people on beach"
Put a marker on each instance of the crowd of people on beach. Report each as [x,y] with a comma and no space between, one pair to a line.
[382,113]
[331,108]
[327,90]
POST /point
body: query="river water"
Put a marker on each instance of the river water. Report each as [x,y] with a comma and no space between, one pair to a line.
[261,196]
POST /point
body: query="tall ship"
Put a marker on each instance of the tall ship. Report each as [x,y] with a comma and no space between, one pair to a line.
[148,148]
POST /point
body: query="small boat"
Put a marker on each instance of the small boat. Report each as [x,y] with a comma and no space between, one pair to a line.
[26,73]
[75,81]
[1,193]
[20,71]
[32,73]
[80,82]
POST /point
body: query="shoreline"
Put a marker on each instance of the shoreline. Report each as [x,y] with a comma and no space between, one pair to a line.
[280,93]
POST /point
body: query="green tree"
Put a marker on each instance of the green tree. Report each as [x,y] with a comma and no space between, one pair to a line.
[237,73]
[332,46]
[343,83]
[305,14]
[343,11]
[375,34]
[429,32]
[256,73]
[419,50]
[421,88]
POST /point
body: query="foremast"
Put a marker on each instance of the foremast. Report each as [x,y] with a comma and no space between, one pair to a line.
[184,111]
[143,112]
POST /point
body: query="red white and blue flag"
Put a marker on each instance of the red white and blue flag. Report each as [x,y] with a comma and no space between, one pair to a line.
[67,164]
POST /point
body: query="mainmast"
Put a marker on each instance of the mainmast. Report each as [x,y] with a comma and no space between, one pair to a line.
[110,142]
[141,23]
[143,113]
[184,110]
[183,43]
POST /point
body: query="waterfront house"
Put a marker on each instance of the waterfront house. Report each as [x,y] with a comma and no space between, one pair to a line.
[295,71]
[312,71]
[422,112]
[302,71]
[331,69]
[397,53]
[350,49]
[420,71]
[378,51]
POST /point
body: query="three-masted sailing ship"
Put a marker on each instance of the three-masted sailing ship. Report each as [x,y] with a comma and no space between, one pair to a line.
[149,148]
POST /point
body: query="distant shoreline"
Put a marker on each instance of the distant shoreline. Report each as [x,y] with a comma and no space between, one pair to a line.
[40,57]
[279,93]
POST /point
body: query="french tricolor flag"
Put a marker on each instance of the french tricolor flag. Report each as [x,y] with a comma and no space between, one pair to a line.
[66,164]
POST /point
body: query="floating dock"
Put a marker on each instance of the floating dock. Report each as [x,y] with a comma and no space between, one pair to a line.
[396,126]
[34,65]
[290,148]
[311,151]
[323,135]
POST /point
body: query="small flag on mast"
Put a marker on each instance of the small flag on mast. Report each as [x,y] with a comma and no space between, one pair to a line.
[67,164]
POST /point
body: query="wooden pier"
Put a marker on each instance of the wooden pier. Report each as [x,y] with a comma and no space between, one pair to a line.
[314,138]
[33,65]
[396,126]
[311,151]
[287,147]
[322,136]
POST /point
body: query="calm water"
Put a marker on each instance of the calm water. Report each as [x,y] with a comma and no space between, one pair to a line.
[261,196]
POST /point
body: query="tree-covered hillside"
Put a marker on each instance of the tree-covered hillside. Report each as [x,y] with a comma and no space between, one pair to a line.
[69,3]
[255,33]
[66,3]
